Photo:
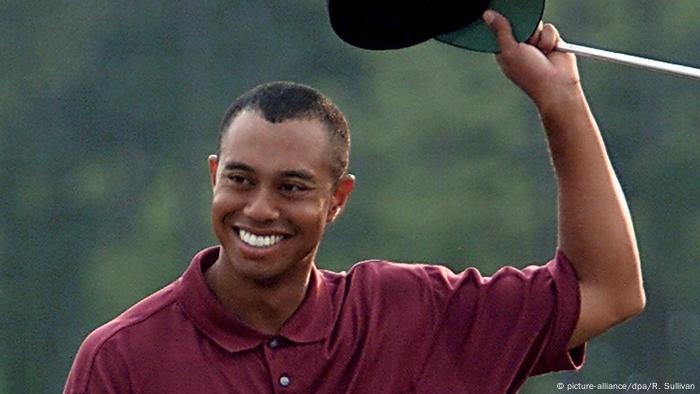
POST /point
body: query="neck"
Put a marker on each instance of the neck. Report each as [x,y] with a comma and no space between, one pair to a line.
[262,304]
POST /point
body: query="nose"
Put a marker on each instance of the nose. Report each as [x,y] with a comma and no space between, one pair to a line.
[261,207]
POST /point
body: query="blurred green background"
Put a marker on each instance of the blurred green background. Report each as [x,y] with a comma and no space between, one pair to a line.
[109,109]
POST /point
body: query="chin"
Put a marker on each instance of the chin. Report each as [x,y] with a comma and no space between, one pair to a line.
[258,272]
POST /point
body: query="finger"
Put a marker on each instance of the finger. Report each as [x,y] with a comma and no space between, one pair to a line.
[548,39]
[500,27]
[535,37]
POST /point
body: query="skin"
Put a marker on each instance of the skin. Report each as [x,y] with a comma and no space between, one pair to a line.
[271,179]
[594,228]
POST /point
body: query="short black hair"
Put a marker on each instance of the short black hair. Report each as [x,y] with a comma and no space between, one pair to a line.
[280,101]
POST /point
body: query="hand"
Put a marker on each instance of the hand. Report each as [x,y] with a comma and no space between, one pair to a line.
[535,66]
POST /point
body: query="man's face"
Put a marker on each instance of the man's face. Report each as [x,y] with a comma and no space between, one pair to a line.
[273,195]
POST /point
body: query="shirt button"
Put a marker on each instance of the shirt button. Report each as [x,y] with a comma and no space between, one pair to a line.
[273,343]
[285,381]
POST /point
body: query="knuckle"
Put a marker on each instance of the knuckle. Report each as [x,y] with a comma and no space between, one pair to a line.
[552,30]
[506,56]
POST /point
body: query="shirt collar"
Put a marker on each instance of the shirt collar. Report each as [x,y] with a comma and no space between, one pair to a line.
[311,322]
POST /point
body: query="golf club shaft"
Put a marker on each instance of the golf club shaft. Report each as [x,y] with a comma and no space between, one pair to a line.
[630,60]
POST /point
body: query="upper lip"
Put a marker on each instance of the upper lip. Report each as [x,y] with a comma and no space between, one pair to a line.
[263,231]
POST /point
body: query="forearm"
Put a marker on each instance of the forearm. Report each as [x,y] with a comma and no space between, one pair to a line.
[595,228]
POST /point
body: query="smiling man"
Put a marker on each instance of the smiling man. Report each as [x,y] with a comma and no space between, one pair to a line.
[279,178]
[255,315]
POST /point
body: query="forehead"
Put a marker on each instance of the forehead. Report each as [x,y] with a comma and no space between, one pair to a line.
[265,146]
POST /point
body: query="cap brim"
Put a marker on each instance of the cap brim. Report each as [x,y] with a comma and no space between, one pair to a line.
[524,16]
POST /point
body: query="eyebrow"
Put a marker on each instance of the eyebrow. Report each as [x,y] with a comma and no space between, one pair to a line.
[301,174]
[234,165]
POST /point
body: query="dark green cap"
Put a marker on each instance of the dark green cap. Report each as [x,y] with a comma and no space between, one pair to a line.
[394,24]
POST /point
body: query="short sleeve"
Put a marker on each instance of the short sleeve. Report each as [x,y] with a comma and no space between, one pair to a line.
[503,328]
[98,367]
[556,357]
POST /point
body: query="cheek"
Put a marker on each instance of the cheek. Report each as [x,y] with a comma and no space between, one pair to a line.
[314,214]
[222,202]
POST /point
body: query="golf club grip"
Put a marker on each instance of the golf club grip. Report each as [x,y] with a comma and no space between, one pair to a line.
[630,60]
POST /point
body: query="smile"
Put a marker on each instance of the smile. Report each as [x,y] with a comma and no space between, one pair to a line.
[258,241]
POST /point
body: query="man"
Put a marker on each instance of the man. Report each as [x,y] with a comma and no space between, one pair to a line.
[256,315]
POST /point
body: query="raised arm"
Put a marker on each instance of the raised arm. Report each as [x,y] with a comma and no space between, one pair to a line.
[595,228]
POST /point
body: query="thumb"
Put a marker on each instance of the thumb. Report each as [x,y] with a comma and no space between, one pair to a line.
[500,27]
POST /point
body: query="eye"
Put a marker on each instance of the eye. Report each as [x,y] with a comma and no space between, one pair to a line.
[239,180]
[293,188]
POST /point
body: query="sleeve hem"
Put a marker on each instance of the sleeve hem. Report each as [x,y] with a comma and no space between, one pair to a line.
[568,311]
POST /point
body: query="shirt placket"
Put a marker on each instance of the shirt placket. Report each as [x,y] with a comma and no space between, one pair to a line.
[281,374]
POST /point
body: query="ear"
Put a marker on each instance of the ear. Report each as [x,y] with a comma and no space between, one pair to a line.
[340,197]
[213,166]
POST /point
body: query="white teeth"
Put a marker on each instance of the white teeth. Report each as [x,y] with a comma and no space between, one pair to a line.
[259,241]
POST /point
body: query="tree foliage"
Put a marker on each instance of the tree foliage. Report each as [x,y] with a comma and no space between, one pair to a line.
[109,109]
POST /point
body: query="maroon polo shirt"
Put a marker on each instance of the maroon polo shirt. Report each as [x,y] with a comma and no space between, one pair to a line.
[380,327]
